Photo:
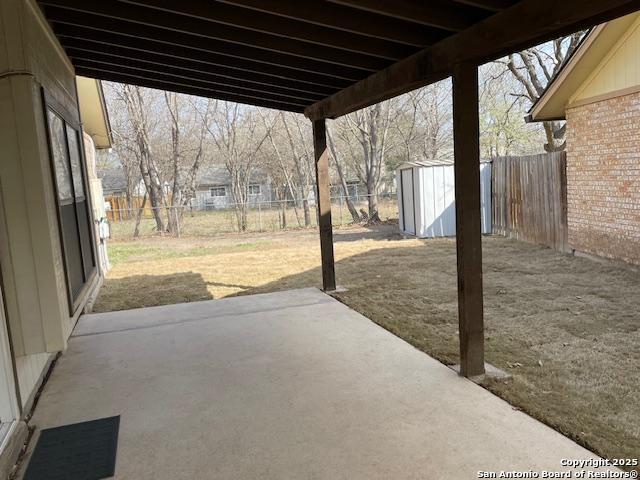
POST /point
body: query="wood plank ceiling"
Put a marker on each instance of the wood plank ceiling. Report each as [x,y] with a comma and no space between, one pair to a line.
[284,54]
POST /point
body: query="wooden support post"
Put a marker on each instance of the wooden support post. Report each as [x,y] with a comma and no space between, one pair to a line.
[466,133]
[323,201]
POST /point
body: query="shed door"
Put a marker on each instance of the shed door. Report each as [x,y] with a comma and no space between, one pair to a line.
[408,206]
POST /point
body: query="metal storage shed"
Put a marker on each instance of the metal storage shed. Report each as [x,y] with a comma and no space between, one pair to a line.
[426,198]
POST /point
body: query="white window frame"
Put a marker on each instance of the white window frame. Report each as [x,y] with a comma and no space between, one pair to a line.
[255,185]
[221,188]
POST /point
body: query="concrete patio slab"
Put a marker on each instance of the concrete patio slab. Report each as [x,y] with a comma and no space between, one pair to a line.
[284,385]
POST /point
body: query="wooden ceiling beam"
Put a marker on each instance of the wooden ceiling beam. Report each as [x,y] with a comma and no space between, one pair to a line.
[434,13]
[169,73]
[491,5]
[527,23]
[187,46]
[201,31]
[291,28]
[185,88]
[346,19]
[105,42]
[92,50]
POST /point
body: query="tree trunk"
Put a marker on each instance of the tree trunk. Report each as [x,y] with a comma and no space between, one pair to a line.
[155,198]
[343,182]
[284,216]
[307,212]
[372,201]
[136,230]
[148,168]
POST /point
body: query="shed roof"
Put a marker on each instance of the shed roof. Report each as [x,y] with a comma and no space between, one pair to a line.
[322,57]
[435,162]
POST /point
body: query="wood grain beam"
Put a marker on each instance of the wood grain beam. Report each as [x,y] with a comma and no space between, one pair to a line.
[491,5]
[83,50]
[324,204]
[199,80]
[527,23]
[466,152]
[213,89]
[170,24]
[434,13]
[291,28]
[108,42]
[347,19]
[186,45]
[142,81]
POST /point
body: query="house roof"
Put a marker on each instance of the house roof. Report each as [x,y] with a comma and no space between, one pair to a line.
[93,111]
[590,53]
[213,175]
[113,180]
[325,58]
[216,174]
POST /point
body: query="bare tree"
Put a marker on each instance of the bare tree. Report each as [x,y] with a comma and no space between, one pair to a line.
[502,128]
[343,180]
[424,122]
[235,131]
[149,170]
[370,127]
[280,169]
[186,153]
[299,137]
[533,69]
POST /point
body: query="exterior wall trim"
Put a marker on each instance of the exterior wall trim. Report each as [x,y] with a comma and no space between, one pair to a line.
[605,96]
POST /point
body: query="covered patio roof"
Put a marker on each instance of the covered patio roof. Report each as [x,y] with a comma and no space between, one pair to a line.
[325,58]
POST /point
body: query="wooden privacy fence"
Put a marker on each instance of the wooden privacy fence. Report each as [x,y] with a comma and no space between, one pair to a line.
[530,198]
[121,209]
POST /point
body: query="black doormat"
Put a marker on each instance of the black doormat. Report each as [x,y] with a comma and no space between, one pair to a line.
[82,451]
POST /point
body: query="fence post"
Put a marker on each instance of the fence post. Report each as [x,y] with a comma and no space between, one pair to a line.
[259,216]
[341,222]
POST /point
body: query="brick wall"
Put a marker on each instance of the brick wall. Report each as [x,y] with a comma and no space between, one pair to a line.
[603,178]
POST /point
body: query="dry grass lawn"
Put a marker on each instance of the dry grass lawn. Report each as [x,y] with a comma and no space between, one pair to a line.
[566,328]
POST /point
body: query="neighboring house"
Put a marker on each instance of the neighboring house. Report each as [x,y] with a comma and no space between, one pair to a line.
[114,182]
[49,256]
[598,93]
[213,189]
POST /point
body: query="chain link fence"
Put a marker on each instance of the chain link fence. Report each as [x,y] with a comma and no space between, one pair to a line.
[266,216]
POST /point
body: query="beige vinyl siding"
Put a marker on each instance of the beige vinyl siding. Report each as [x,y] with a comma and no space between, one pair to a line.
[618,71]
[30,369]
[30,250]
